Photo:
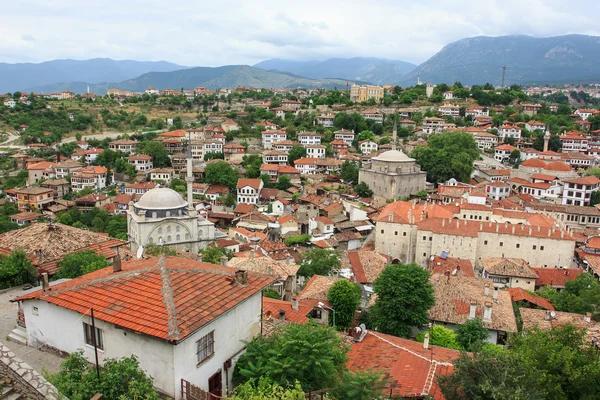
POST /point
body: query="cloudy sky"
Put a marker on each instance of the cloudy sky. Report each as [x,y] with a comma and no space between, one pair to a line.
[212,33]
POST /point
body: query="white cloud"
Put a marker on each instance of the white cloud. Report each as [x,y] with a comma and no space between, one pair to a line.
[241,32]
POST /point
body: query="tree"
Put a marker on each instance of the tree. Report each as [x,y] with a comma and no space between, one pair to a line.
[344,297]
[265,389]
[492,375]
[213,255]
[363,190]
[441,336]
[308,353]
[404,296]
[447,155]
[252,164]
[156,150]
[359,385]
[317,261]
[472,334]
[229,200]
[349,172]
[580,296]
[284,182]
[271,293]
[295,153]
[515,156]
[222,173]
[80,263]
[119,378]
[15,269]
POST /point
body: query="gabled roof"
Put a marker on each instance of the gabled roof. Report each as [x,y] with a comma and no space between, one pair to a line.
[317,287]
[273,307]
[555,276]
[412,370]
[168,299]
[584,180]
[402,211]
[366,265]
[253,183]
[519,294]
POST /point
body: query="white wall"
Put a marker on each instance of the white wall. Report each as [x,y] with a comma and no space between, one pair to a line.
[63,329]
[241,323]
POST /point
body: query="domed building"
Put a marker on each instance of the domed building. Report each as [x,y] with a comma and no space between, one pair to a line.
[393,175]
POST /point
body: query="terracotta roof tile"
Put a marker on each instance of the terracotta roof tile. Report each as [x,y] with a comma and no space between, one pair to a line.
[555,276]
[519,294]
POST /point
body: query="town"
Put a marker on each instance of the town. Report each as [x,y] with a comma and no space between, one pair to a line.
[355,243]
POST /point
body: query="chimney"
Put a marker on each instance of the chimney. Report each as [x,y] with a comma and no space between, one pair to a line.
[390,217]
[45,284]
[224,261]
[472,309]
[252,253]
[495,294]
[487,311]
[513,229]
[288,259]
[117,262]
[295,303]
[486,290]
[282,315]
[530,228]
[443,222]
[497,227]
[426,341]
[587,317]
[481,226]
[241,277]
[548,315]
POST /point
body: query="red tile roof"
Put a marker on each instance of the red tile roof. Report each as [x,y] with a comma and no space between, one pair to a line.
[584,180]
[253,183]
[168,298]
[411,369]
[272,308]
[519,294]
[555,276]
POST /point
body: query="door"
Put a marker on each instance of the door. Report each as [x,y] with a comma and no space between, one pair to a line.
[215,386]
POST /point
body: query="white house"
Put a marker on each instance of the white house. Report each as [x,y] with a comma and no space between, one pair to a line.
[509,131]
[315,151]
[584,114]
[345,135]
[578,191]
[367,146]
[163,311]
[308,138]
[497,190]
[448,95]
[503,151]
[326,120]
[485,140]
[270,136]
[152,90]
[449,110]
[373,115]
[534,125]
[10,103]
[248,190]
[306,165]
[93,177]
[141,162]
[91,155]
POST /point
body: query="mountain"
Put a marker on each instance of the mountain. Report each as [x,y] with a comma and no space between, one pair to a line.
[375,70]
[477,60]
[230,76]
[14,77]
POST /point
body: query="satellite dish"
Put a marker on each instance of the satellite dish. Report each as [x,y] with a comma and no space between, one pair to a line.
[552,314]
[140,252]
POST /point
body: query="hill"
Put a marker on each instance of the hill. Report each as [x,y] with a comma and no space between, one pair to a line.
[20,76]
[477,60]
[230,76]
[375,70]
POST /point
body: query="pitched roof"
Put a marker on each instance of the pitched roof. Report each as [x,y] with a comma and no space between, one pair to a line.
[542,319]
[272,309]
[168,298]
[317,287]
[265,265]
[366,265]
[584,180]
[253,183]
[411,369]
[453,297]
[439,266]
[555,276]
[508,267]
[401,211]
[520,294]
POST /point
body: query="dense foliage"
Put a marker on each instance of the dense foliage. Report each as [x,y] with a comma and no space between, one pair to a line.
[80,263]
[344,297]
[96,220]
[16,269]
[317,261]
[221,173]
[580,296]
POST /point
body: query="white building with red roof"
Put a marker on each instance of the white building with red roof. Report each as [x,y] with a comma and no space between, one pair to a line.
[578,191]
[248,190]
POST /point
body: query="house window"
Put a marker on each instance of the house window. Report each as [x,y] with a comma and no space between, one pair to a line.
[316,313]
[205,347]
[534,247]
[89,336]
[403,233]
[424,237]
[382,231]
[501,244]
[485,242]
[518,245]
[542,248]
[396,233]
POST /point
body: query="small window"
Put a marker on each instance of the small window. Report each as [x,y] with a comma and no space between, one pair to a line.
[403,233]
[542,248]
[424,237]
[89,336]
[501,244]
[382,231]
[396,233]
[430,238]
[205,347]
[518,246]
[424,254]
[316,313]
[534,247]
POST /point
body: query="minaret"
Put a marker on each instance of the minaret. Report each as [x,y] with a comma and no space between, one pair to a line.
[546,138]
[394,133]
[190,176]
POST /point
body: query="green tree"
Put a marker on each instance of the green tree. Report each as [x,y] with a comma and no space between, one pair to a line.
[308,353]
[265,389]
[580,296]
[363,190]
[295,153]
[229,200]
[349,171]
[441,336]
[404,297]
[213,255]
[344,297]
[252,164]
[515,156]
[222,173]
[80,263]
[271,293]
[448,155]
[15,269]
[472,333]
[119,378]
[317,261]
[284,182]
[156,150]
[359,385]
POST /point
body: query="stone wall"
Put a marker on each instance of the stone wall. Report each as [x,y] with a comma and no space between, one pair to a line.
[24,378]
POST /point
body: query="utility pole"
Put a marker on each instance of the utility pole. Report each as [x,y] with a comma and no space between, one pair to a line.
[503,75]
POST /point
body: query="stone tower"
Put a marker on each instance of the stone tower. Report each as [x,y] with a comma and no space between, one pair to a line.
[429,89]
[546,139]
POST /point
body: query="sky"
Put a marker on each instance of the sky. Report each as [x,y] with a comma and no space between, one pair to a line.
[213,33]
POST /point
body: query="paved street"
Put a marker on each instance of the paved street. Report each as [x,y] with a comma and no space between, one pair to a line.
[39,360]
